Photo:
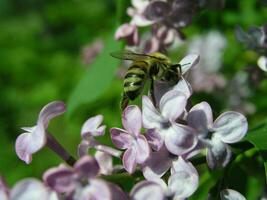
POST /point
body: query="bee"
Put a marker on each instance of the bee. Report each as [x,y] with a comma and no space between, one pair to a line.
[145,67]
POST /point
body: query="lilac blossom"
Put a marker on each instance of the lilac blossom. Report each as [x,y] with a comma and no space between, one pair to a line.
[178,138]
[81,182]
[128,32]
[91,51]
[4,190]
[92,128]
[230,127]
[136,145]
[35,137]
[182,183]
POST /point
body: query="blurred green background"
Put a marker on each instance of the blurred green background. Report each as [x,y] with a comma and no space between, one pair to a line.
[41,60]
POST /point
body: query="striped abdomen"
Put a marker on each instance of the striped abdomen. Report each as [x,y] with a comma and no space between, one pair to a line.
[135,79]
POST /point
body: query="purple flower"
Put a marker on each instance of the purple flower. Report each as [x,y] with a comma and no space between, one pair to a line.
[182,183]
[35,137]
[178,138]
[81,182]
[136,144]
[129,33]
[230,127]
[4,190]
[229,194]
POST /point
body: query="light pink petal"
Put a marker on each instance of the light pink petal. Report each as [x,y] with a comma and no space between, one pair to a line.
[91,127]
[142,149]
[147,190]
[231,127]
[154,139]
[229,194]
[179,139]
[29,143]
[188,62]
[128,32]
[129,160]
[87,167]
[219,155]
[60,179]
[132,120]
[50,111]
[157,164]
[151,117]
[105,163]
[200,117]
[121,138]
[31,189]
[172,104]
[96,190]
[184,87]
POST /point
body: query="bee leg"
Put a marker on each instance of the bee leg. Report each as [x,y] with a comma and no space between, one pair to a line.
[124,101]
[151,92]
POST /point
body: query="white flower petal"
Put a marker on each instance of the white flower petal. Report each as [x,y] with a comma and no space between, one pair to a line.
[200,117]
[91,127]
[31,189]
[188,62]
[129,160]
[229,194]
[179,139]
[151,117]
[231,127]
[262,63]
[184,179]
[172,104]
[105,162]
[184,87]
[132,120]
[142,149]
[147,190]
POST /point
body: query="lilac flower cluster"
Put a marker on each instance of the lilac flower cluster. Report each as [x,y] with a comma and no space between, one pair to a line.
[159,140]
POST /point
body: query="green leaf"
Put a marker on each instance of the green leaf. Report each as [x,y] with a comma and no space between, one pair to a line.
[97,78]
[258,137]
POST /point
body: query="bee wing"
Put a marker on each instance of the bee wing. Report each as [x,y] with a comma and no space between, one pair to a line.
[129,55]
[188,62]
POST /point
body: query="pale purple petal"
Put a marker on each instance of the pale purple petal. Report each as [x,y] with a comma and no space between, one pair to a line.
[87,167]
[158,164]
[60,179]
[129,160]
[104,148]
[117,193]
[105,162]
[154,139]
[121,138]
[91,127]
[142,149]
[29,143]
[147,190]
[96,190]
[188,62]
[151,117]
[128,32]
[172,104]
[132,120]
[50,111]
[4,190]
[182,165]
[83,148]
[231,127]
[200,117]
[31,189]
[229,194]
[218,155]
[179,139]
[182,184]
[184,87]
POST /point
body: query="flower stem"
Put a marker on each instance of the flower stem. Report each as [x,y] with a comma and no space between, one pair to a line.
[55,146]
